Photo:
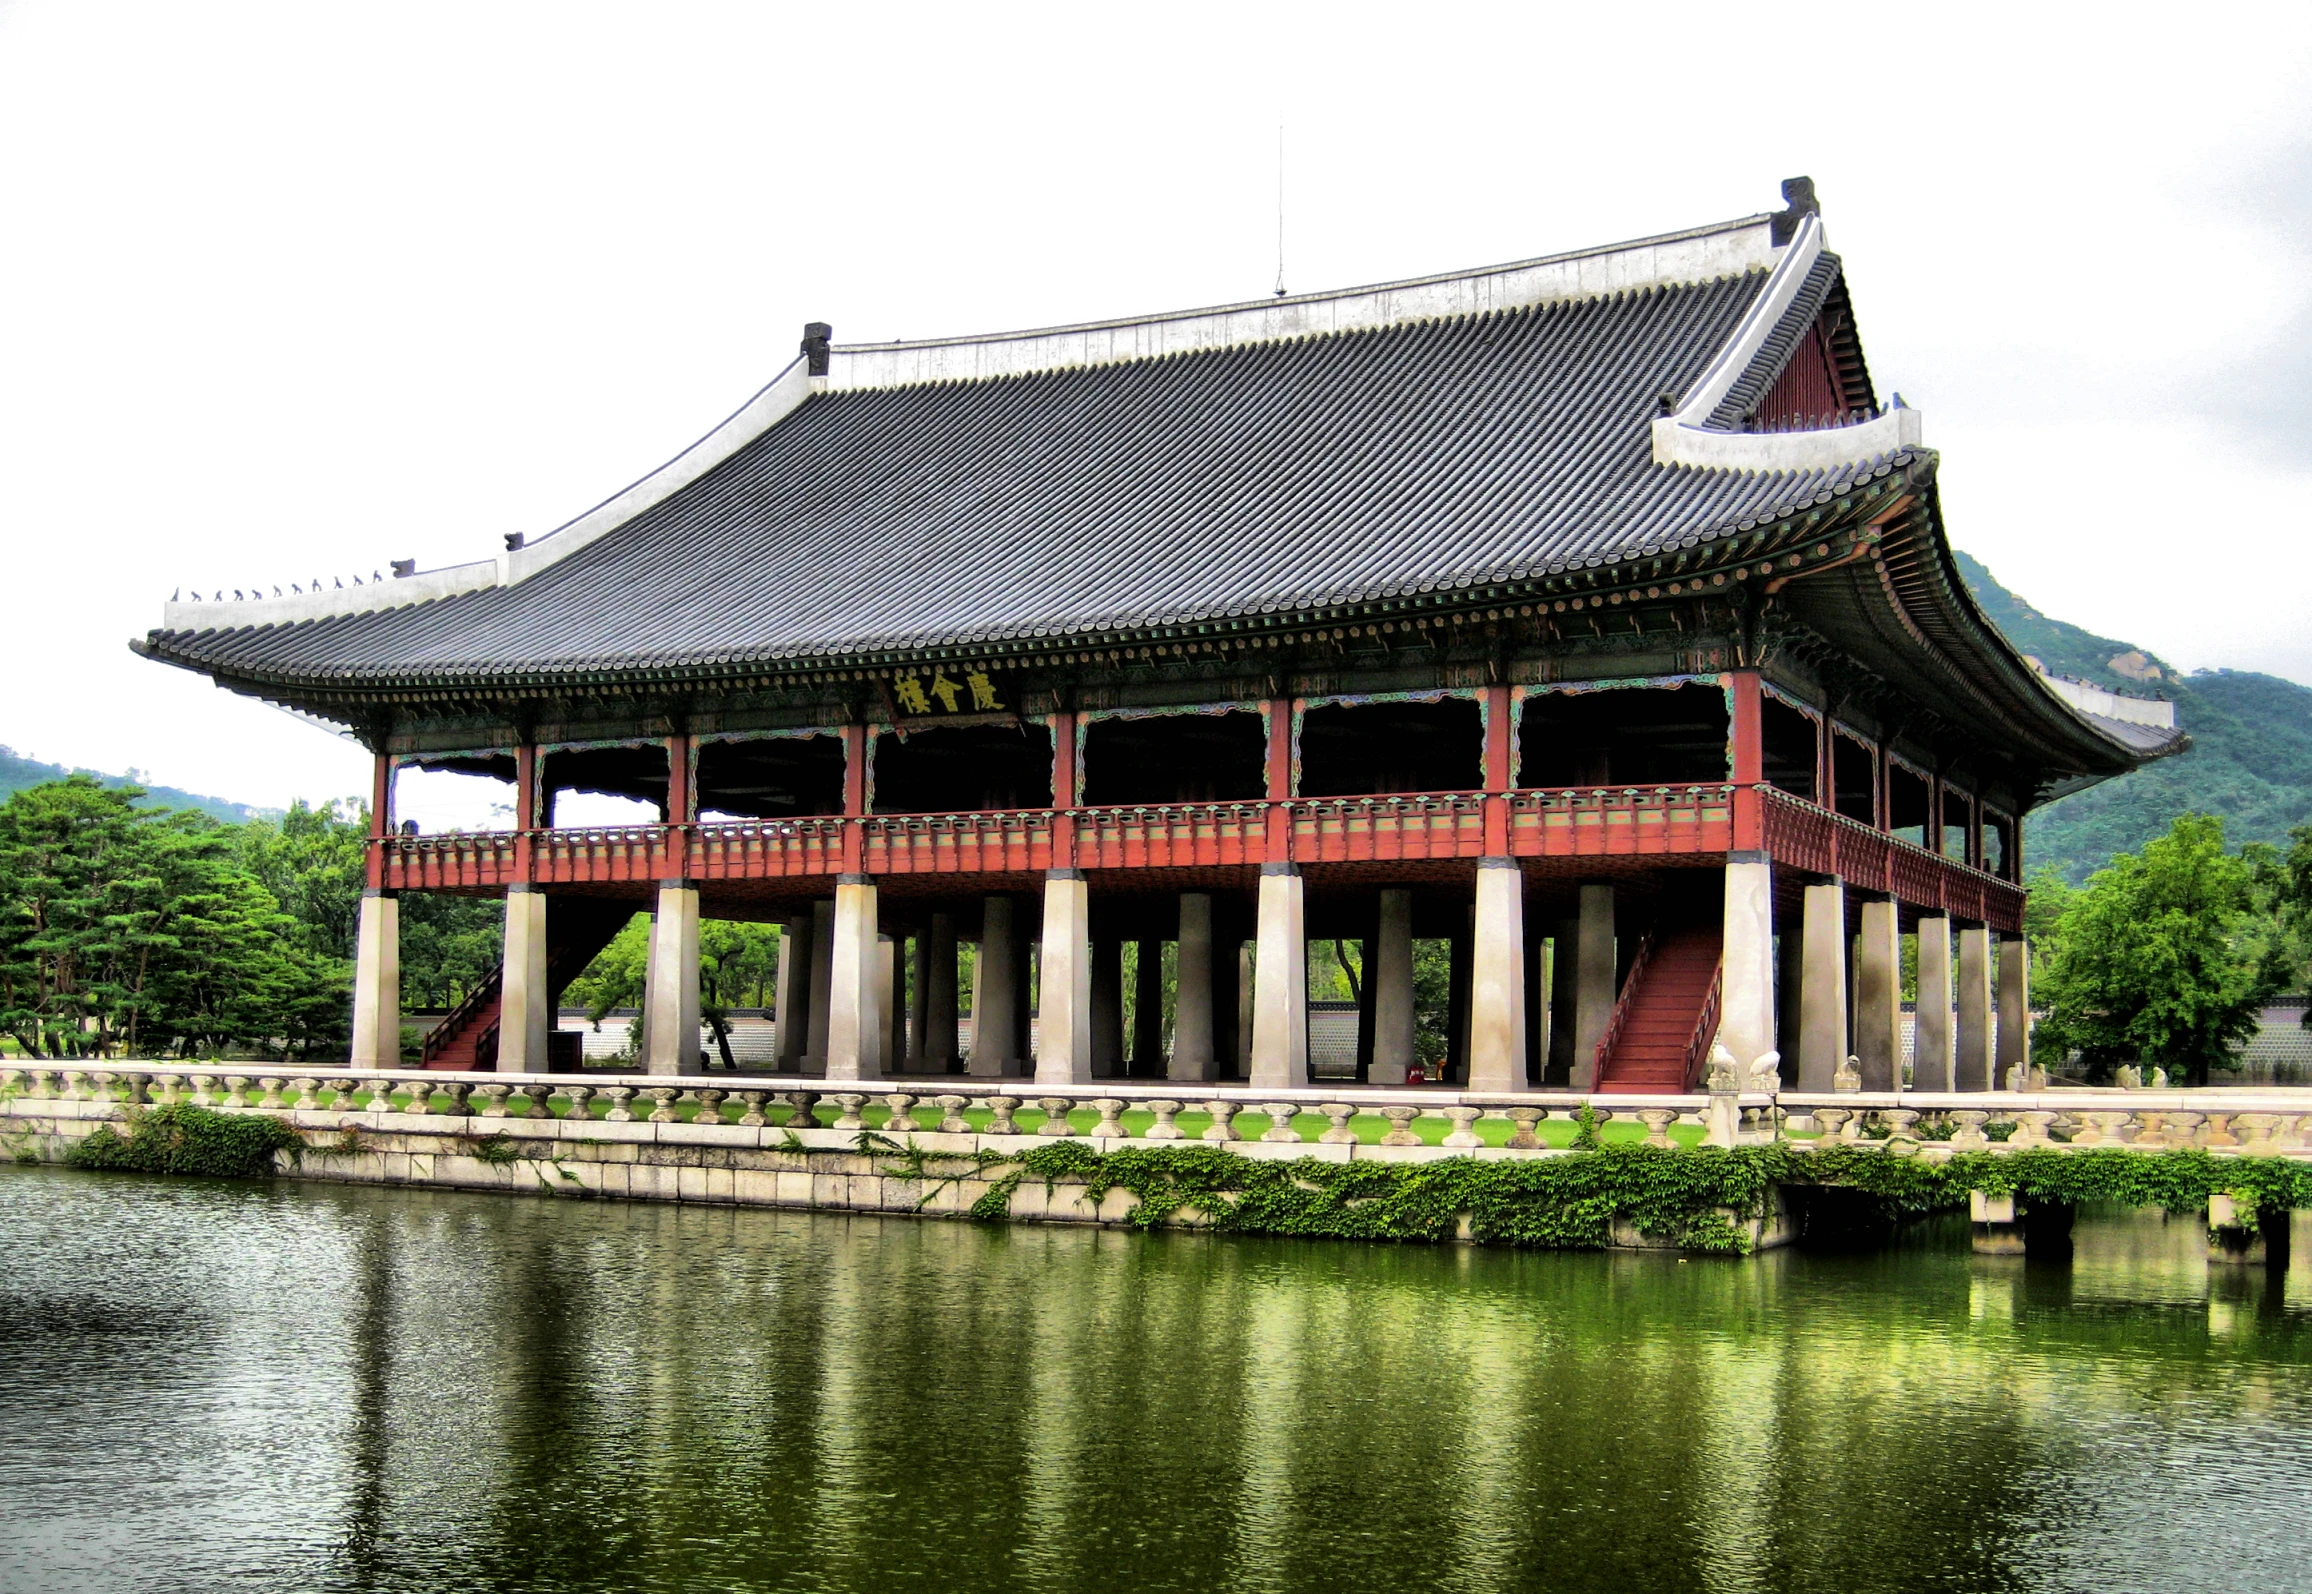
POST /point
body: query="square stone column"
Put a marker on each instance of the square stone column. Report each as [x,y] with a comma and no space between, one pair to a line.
[995,992]
[918,999]
[2014,1012]
[1974,1049]
[1280,971]
[818,1009]
[794,995]
[1064,1006]
[1148,1010]
[1931,1044]
[670,987]
[1192,1050]
[377,982]
[890,1036]
[854,1013]
[1390,974]
[1107,1007]
[1497,978]
[939,1045]
[1746,960]
[1564,999]
[1878,998]
[525,1012]
[1822,987]
[1595,983]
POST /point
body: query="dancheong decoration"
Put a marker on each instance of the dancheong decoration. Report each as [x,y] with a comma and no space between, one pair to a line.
[937,693]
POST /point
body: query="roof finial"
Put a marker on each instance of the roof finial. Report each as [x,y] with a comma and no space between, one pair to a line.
[816,338]
[1799,201]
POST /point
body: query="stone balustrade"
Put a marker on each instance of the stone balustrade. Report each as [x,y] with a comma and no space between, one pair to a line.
[1338,1121]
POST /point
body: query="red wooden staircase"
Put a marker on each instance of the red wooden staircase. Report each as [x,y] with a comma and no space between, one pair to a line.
[575,931]
[1667,1016]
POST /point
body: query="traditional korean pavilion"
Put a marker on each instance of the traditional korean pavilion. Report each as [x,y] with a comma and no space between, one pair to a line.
[1592,614]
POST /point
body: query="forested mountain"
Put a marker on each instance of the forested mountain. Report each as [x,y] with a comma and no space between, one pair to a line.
[18,773]
[2250,762]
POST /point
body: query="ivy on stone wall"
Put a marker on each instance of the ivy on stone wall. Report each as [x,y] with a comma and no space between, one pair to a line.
[189,1140]
[1698,1199]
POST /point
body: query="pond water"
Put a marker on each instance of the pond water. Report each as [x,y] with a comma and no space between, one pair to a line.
[307,1387]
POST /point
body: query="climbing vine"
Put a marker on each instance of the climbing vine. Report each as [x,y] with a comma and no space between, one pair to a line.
[1699,1199]
[189,1140]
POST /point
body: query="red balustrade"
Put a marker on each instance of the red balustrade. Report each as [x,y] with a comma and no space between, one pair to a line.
[1606,821]
[1568,822]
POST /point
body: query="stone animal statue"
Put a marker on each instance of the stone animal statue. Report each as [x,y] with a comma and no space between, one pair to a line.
[1766,1073]
[1849,1075]
[1725,1072]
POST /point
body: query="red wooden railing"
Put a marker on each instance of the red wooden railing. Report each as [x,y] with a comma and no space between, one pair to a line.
[1816,840]
[1567,822]
[1705,1030]
[1622,1005]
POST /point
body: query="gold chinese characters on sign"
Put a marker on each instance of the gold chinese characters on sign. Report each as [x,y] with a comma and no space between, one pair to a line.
[937,692]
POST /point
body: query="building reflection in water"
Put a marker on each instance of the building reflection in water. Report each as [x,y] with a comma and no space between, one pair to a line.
[529,1394]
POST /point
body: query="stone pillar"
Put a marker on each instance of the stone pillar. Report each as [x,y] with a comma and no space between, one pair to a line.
[794,994]
[1192,1049]
[2014,1012]
[939,1049]
[1564,999]
[1878,997]
[1390,974]
[1244,1009]
[918,1000]
[1148,1010]
[670,991]
[995,992]
[1931,1044]
[1746,961]
[1107,1007]
[1822,987]
[888,1045]
[1064,1008]
[1280,1009]
[1789,985]
[525,1007]
[1594,983]
[1974,1006]
[1497,978]
[1455,1069]
[822,980]
[377,982]
[855,966]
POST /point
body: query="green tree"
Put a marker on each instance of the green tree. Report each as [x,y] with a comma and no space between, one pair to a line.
[2156,959]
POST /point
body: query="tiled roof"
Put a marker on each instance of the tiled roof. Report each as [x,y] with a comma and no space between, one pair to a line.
[1283,474]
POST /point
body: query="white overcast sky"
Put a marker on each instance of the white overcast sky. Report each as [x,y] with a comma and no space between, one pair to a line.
[297,289]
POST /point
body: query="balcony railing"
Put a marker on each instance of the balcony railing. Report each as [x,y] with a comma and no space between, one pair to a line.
[1567,822]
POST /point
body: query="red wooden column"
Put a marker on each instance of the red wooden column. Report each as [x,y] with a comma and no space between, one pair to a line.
[1497,761]
[681,808]
[1749,761]
[1279,778]
[525,811]
[380,817]
[855,749]
[1067,783]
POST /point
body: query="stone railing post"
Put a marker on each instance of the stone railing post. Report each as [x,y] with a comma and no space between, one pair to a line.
[618,1096]
[753,1117]
[850,1111]
[902,1109]
[1164,1128]
[1280,1130]
[1400,1126]
[581,1099]
[1337,1131]
[951,1118]
[1223,1126]
[1463,1134]
[1001,1108]
[1111,1124]
[494,1099]
[1525,1125]
[1055,1116]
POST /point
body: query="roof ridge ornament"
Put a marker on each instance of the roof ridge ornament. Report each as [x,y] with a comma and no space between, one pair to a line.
[1799,202]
